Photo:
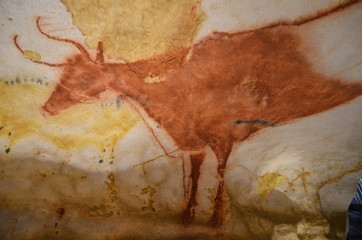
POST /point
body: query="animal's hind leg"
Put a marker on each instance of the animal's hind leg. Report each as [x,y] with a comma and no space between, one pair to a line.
[222,151]
[190,199]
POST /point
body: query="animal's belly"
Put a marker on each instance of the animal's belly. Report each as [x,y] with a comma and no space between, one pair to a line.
[178,120]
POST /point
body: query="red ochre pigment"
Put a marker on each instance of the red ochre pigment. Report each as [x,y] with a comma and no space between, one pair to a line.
[215,93]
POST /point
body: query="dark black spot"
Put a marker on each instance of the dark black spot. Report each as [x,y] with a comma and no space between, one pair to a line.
[1,127]
[100,161]
[111,162]
[104,150]
[40,81]
[6,82]
[9,134]
[12,82]
[17,79]
[7,150]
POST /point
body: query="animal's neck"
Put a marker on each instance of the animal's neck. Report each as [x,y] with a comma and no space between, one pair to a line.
[160,65]
[142,79]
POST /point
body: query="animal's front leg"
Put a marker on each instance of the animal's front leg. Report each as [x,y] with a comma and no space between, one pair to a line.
[222,150]
[190,199]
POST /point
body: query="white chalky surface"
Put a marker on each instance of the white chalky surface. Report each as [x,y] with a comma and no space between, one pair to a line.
[320,156]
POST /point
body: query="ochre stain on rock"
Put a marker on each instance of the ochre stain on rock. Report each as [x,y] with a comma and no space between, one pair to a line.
[94,124]
[149,192]
[268,182]
[136,29]
[231,86]
[111,187]
[32,55]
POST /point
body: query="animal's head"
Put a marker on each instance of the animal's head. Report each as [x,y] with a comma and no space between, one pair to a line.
[82,80]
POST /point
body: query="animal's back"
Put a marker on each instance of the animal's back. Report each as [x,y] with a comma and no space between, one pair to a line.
[253,75]
[256,76]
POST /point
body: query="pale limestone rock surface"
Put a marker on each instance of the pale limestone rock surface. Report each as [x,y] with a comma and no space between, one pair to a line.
[293,181]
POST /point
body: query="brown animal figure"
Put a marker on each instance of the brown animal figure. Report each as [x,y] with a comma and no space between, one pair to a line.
[213,94]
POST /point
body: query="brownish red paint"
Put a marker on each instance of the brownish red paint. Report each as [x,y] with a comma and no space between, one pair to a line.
[60,212]
[196,161]
[222,93]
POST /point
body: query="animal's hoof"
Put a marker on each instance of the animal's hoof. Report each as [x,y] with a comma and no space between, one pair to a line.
[216,220]
[188,216]
[216,224]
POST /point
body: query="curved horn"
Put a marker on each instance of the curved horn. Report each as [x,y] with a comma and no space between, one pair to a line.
[40,62]
[77,45]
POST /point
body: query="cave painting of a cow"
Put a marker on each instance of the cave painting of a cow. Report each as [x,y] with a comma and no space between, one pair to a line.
[219,91]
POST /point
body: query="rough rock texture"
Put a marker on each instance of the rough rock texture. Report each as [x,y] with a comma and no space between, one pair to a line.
[84,174]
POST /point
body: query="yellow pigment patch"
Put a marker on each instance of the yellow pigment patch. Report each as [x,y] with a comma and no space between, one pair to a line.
[248,81]
[150,80]
[149,192]
[111,187]
[32,55]
[136,29]
[268,182]
[100,124]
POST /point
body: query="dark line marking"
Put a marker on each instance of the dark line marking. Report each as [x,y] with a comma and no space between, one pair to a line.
[118,102]
[262,122]
[302,20]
